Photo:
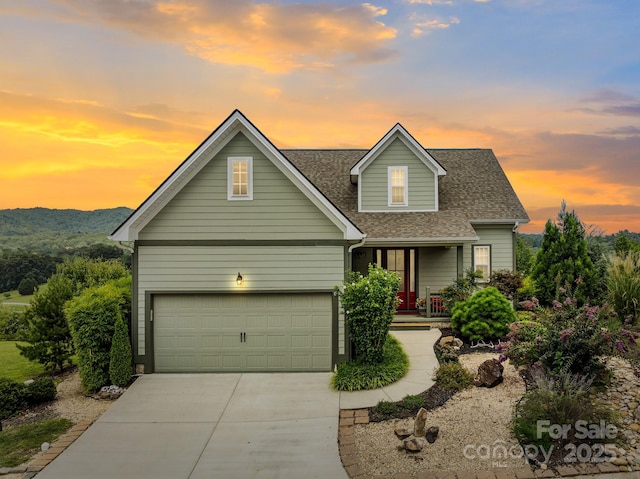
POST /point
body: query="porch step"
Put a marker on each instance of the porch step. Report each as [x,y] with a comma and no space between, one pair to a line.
[410,326]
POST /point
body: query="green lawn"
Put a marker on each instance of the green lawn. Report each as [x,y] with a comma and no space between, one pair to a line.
[15,297]
[18,444]
[14,366]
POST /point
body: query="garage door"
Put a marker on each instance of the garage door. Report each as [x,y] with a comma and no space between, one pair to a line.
[242,332]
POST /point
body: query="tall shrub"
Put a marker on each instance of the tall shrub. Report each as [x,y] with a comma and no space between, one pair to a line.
[623,285]
[507,282]
[369,303]
[120,365]
[92,318]
[563,261]
[461,289]
[48,334]
[486,315]
[90,273]
[568,338]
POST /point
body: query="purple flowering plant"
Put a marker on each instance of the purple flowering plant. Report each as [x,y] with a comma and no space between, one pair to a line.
[567,337]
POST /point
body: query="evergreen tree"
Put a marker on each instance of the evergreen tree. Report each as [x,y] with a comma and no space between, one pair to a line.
[563,262]
[48,332]
[623,244]
[524,255]
[27,286]
[120,366]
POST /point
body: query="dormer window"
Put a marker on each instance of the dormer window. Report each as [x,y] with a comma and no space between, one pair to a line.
[398,185]
[239,178]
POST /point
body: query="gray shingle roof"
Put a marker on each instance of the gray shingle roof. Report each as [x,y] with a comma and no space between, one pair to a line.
[475,189]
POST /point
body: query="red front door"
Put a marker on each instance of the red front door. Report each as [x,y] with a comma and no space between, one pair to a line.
[403,262]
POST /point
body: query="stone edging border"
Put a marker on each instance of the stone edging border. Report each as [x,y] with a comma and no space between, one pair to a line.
[347,448]
[50,454]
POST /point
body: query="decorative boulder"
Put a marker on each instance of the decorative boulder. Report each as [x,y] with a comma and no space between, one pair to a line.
[420,423]
[432,434]
[415,444]
[489,374]
[402,433]
[452,341]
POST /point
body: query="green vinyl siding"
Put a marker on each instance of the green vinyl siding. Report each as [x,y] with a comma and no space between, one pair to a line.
[201,210]
[437,268]
[374,181]
[501,241]
[214,269]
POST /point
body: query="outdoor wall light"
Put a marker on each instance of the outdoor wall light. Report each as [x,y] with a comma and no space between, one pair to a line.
[239,279]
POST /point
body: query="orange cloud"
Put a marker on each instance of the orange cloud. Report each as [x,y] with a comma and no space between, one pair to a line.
[275,38]
[79,154]
[422,26]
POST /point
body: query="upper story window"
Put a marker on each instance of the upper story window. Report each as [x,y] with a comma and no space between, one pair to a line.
[482,261]
[240,178]
[397,185]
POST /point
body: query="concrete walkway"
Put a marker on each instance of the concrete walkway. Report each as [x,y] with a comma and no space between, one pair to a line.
[419,347]
[196,426]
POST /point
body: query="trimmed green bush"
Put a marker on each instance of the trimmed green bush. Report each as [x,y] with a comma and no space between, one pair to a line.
[120,367]
[12,398]
[369,304]
[92,318]
[453,376]
[486,315]
[41,390]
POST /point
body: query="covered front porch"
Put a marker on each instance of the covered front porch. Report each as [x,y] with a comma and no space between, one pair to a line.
[423,270]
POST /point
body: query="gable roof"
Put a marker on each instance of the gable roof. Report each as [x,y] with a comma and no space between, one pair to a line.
[474,191]
[400,133]
[189,168]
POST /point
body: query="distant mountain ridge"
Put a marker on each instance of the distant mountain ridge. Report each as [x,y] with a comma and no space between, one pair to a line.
[29,221]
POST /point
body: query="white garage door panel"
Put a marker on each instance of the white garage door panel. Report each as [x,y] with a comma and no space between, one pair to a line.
[284,332]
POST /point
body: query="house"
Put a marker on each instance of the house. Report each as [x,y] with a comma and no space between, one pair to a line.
[238,251]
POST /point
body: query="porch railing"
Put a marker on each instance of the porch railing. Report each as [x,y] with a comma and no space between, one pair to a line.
[434,306]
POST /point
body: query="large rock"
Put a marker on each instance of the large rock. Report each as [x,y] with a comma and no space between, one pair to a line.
[420,423]
[452,341]
[432,434]
[402,433]
[489,374]
[415,444]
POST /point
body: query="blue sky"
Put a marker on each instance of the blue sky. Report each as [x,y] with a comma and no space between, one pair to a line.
[101,99]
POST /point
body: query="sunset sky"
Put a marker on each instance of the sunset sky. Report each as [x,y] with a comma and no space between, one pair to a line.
[101,99]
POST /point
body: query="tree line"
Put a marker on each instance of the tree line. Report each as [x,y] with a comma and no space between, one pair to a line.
[32,269]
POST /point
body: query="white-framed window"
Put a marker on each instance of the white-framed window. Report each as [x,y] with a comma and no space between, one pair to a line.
[398,185]
[239,178]
[482,261]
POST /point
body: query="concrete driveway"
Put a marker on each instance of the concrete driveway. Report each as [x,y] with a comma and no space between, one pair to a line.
[262,425]
[195,426]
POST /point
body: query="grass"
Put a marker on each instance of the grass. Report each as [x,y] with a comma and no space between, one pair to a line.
[354,376]
[15,297]
[14,366]
[453,376]
[18,444]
